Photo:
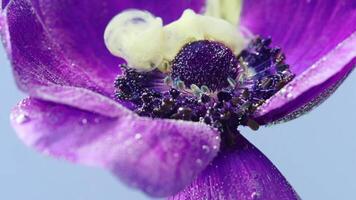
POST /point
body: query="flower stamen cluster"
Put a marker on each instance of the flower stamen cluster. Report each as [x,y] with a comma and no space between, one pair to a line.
[207,83]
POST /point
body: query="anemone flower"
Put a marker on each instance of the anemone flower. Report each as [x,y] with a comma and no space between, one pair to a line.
[155,91]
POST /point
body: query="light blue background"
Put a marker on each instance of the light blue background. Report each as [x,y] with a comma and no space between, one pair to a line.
[316,153]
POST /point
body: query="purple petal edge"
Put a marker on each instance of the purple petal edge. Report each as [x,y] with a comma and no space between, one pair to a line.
[240,173]
[160,157]
[61,41]
[42,52]
[312,86]
[307,32]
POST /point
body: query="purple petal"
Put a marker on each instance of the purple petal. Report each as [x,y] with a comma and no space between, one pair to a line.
[312,87]
[61,42]
[79,98]
[159,157]
[241,173]
[308,32]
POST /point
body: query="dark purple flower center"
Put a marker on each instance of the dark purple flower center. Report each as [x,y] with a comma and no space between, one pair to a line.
[205,63]
[209,84]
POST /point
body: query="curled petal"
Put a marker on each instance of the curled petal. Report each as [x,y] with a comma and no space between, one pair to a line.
[309,32]
[312,87]
[61,42]
[305,30]
[159,157]
[239,173]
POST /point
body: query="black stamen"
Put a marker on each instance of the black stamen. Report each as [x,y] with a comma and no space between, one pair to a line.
[224,96]
[174,93]
[219,96]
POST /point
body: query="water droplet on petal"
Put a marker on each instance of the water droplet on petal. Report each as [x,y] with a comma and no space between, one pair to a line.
[255,195]
[84,121]
[199,162]
[206,148]
[138,136]
[283,91]
[289,96]
[22,118]
[290,88]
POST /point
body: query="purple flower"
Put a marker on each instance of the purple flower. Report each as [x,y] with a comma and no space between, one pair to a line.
[60,60]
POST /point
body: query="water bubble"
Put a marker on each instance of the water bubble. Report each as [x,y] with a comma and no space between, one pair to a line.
[283,91]
[22,118]
[290,87]
[255,195]
[84,121]
[138,136]
[199,162]
[206,148]
[289,96]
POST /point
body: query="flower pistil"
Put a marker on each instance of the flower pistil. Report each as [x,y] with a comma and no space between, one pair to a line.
[220,81]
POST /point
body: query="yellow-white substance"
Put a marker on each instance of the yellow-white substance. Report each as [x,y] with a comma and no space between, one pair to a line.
[136,36]
[228,10]
[192,27]
[146,44]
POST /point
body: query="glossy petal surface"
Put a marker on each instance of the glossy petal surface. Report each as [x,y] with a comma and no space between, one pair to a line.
[310,33]
[312,87]
[79,98]
[241,173]
[61,42]
[305,30]
[159,157]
